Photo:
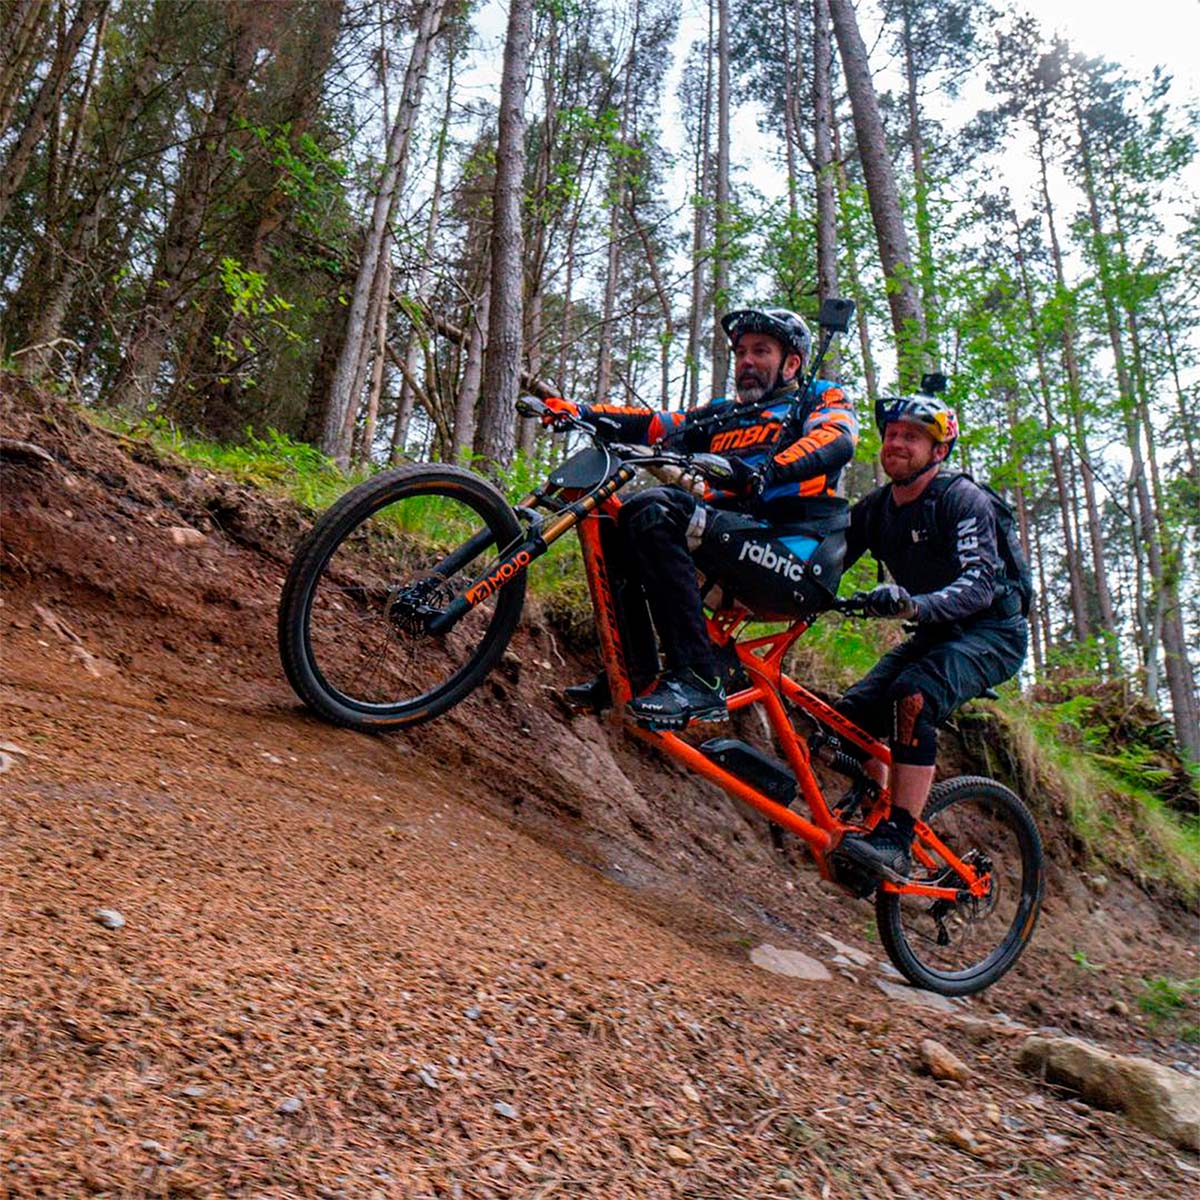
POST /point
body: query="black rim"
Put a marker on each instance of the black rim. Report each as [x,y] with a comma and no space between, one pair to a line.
[976,939]
[364,613]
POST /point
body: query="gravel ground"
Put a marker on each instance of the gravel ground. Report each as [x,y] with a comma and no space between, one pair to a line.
[247,954]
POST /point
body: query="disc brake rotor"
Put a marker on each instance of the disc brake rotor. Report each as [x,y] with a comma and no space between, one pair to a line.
[954,918]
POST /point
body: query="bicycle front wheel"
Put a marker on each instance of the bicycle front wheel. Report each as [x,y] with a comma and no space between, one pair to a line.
[388,556]
[960,947]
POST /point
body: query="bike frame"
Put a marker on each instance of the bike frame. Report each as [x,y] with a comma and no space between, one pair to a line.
[761,657]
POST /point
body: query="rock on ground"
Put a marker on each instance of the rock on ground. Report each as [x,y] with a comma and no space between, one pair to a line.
[1160,1100]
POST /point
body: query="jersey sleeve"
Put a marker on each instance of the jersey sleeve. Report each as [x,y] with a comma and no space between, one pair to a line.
[858,534]
[637,426]
[969,520]
[825,445]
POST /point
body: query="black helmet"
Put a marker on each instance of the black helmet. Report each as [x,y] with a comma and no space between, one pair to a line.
[785,326]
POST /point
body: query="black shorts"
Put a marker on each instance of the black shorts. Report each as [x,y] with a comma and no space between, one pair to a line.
[948,665]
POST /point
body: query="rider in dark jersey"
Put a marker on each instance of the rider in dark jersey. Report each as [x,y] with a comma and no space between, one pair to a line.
[937,535]
[773,538]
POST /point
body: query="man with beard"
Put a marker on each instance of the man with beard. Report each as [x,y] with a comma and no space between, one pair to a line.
[772,538]
[959,580]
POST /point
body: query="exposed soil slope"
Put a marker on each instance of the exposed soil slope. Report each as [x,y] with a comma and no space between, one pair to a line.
[505,955]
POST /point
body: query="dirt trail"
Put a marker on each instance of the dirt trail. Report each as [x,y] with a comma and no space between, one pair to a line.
[435,964]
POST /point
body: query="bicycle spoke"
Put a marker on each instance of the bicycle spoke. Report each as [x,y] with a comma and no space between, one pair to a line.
[357,605]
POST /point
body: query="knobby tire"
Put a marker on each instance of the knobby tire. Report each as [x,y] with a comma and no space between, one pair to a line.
[968,812]
[363,552]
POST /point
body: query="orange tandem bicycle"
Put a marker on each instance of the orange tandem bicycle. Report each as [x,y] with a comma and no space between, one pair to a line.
[403,596]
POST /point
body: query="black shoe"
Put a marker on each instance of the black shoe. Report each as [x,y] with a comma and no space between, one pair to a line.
[593,696]
[885,850]
[678,698]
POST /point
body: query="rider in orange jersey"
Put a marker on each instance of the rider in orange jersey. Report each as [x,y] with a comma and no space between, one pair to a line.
[773,537]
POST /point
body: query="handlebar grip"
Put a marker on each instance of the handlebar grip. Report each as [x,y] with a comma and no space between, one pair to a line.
[530,406]
[854,604]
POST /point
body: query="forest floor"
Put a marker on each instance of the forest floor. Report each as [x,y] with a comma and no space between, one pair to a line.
[502,955]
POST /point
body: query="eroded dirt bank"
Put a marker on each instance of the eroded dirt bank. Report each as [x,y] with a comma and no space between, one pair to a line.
[503,956]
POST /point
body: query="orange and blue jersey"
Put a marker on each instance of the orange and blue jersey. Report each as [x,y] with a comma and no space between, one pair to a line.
[799,446]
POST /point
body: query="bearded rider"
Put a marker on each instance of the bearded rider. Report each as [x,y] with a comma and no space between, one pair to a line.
[772,538]
[937,535]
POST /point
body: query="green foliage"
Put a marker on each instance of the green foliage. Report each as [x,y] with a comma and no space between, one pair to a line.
[263,312]
[1162,998]
[1139,824]
[272,462]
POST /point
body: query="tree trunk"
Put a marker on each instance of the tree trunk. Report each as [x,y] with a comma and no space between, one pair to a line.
[1180,682]
[25,34]
[857,294]
[43,298]
[1075,405]
[1042,610]
[603,384]
[368,437]
[664,305]
[790,137]
[1186,419]
[176,266]
[827,248]
[908,320]
[1078,596]
[343,399]
[616,202]
[920,186]
[502,359]
[700,213]
[78,117]
[307,52]
[1013,412]
[723,211]
[47,101]
[1168,615]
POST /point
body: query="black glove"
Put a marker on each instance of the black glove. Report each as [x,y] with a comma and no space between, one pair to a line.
[557,408]
[888,600]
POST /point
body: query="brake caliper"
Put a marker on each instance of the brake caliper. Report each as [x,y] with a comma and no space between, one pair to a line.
[412,607]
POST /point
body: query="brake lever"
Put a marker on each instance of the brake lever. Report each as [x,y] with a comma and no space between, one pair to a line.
[530,406]
[714,467]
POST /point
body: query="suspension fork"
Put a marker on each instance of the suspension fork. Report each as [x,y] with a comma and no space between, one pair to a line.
[517,558]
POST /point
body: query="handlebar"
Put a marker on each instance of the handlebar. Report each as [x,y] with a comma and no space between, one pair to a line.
[854,605]
[714,468]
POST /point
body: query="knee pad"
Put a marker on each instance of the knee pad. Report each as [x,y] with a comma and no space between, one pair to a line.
[914,734]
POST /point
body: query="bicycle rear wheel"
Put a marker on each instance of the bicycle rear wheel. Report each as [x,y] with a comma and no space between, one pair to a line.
[957,948]
[387,556]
